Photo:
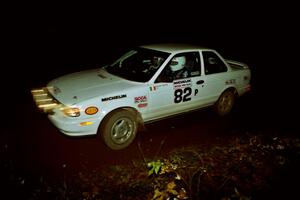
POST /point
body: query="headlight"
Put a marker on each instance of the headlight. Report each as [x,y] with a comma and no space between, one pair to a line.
[72,112]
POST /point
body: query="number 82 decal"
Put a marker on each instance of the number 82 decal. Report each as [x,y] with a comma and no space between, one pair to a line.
[182,95]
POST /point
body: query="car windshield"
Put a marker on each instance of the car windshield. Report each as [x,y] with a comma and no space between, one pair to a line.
[138,65]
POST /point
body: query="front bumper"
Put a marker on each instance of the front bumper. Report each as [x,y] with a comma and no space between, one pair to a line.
[73,126]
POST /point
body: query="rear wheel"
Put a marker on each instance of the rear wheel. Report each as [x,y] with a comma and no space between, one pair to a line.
[225,103]
[119,129]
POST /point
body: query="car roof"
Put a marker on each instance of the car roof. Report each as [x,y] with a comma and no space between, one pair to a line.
[174,47]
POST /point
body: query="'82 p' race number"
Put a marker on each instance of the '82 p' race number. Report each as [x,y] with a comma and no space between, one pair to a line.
[182,95]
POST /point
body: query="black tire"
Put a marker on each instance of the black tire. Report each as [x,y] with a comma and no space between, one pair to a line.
[119,129]
[225,103]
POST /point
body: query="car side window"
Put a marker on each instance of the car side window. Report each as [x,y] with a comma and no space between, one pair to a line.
[183,65]
[193,63]
[212,63]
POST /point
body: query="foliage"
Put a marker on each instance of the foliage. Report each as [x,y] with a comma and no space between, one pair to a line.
[243,168]
[154,166]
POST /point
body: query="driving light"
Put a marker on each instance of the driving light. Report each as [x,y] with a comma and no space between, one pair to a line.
[91,110]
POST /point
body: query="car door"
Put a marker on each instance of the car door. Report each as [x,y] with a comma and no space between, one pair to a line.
[171,94]
[214,77]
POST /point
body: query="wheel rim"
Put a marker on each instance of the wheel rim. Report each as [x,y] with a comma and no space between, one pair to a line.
[225,103]
[122,130]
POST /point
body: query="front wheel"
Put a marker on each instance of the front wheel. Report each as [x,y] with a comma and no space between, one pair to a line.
[119,129]
[225,103]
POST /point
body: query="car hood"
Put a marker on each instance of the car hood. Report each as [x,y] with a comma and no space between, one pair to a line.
[76,87]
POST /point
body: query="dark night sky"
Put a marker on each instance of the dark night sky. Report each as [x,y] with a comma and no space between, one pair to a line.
[75,34]
[45,41]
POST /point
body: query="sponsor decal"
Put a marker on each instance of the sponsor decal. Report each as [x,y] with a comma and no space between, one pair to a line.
[114,97]
[182,83]
[142,105]
[156,87]
[140,99]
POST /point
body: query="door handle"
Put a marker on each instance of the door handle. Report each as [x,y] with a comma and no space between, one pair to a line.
[200,82]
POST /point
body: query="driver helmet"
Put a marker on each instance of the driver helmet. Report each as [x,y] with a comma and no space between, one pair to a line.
[177,63]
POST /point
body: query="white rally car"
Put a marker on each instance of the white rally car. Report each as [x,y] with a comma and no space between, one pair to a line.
[148,83]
